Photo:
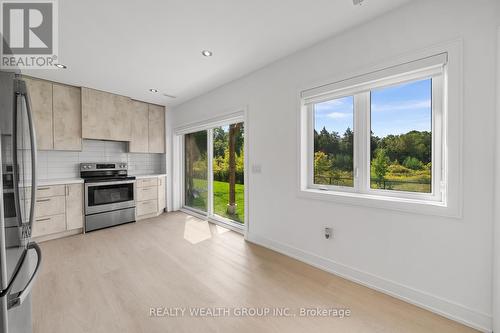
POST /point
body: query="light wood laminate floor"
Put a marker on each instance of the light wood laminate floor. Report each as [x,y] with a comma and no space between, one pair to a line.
[107,281]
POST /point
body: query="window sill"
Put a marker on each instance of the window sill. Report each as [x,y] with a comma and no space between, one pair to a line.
[416,206]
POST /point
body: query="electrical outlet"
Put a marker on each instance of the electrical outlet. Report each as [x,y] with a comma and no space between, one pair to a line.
[328,232]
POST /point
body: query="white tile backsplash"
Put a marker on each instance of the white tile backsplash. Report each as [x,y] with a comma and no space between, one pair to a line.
[66,164]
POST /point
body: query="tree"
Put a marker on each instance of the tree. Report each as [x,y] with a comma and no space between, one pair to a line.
[322,167]
[234,130]
[220,139]
[380,165]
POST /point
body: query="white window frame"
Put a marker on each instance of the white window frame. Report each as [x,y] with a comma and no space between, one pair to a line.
[444,64]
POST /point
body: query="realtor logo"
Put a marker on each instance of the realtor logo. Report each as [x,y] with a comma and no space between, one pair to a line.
[29,34]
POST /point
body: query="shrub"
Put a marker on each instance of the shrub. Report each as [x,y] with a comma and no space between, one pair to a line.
[398,169]
[413,163]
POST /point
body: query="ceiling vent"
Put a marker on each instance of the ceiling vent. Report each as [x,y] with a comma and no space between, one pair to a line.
[357,2]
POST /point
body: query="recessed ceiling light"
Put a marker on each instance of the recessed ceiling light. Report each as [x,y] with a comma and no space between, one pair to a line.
[153,90]
[357,2]
[207,53]
[61,66]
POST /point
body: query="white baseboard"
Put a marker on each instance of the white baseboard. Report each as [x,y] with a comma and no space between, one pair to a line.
[443,307]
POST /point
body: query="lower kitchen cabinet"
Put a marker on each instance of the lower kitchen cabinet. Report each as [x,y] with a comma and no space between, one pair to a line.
[150,196]
[59,210]
[74,206]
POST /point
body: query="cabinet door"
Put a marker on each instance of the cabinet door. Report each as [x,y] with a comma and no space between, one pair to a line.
[40,93]
[74,206]
[161,194]
[67,117]
[140,127]
[147,193]
[105,116]
[156,129]
[121,128]
[146,207]
[96,107]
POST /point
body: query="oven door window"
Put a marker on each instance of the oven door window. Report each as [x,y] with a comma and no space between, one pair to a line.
[109,194]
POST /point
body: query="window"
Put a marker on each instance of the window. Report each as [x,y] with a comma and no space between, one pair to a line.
[379,134]
[401,137]
[333,142]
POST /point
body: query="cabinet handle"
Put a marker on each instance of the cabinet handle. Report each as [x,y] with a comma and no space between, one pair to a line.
[42,200]
[43,188]
[45,219]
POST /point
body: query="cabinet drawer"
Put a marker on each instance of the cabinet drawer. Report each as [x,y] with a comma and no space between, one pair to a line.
[145,182]
[43,191]
[49,225]
[147,207]
[50,206]
[147,193]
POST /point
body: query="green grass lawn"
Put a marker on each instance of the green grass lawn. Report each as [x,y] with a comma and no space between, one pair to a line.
[221,199]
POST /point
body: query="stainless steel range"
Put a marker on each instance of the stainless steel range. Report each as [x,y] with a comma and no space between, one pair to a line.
[109,195]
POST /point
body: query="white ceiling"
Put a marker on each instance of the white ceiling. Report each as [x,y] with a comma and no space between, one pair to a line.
[127,47]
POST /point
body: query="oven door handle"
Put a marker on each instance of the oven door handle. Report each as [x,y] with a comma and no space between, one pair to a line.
[109,183]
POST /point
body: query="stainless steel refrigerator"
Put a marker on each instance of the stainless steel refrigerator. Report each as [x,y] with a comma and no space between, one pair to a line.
[20,258]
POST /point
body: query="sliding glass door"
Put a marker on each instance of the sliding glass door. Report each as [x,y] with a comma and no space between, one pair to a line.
[214,181]
[196,171]
[228,172]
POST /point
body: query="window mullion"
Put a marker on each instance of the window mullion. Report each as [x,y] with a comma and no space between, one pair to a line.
[210,174]
[361,141]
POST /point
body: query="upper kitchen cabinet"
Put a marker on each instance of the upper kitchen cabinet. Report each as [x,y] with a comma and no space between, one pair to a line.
[67,113]
[105,116]
[40,93]
[57,114]
[156,129]
[139,141]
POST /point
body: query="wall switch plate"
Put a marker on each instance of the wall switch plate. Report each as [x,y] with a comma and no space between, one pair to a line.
[328,232]
[257,168]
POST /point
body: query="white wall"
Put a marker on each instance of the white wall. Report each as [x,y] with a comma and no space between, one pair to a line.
[496,234]
[440,263]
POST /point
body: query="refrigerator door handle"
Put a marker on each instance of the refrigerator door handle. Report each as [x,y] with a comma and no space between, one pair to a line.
[27,231]
[18,298]
[15,162]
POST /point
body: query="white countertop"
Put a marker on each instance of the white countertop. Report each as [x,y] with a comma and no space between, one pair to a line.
[149,175]
[59,181]
[62,181]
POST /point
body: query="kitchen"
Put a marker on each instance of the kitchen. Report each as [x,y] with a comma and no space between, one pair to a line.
[80,128]
[99,162]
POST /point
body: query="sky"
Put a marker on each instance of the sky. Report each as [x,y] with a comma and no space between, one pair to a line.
[395,110]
